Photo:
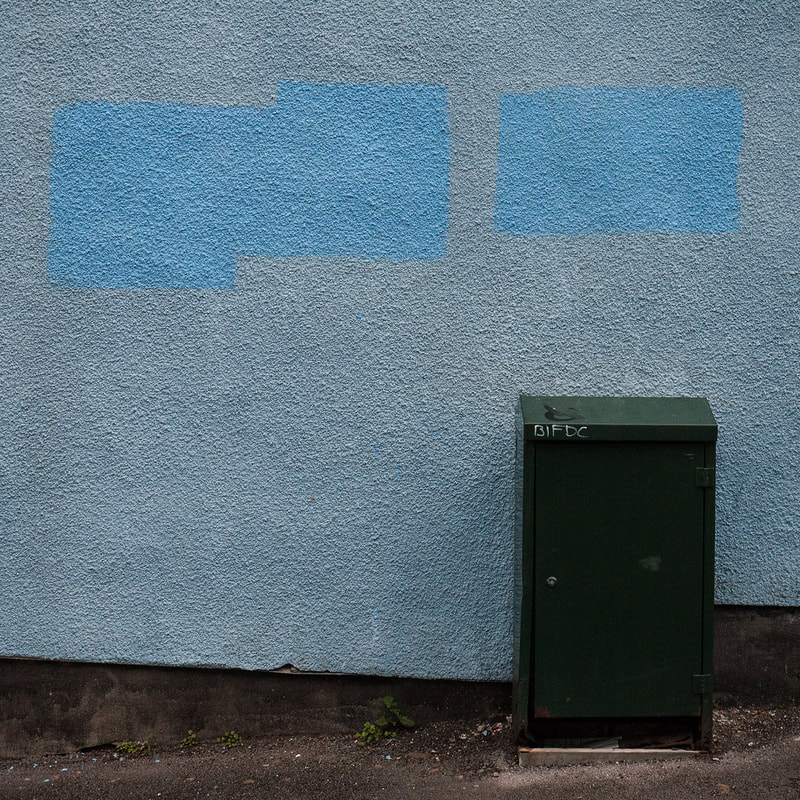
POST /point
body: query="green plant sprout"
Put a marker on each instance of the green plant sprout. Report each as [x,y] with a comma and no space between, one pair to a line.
[230,739]
[386,726]
[136,748]
[190,740]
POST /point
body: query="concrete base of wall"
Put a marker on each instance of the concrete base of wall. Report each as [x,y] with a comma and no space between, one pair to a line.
[757,655]
[57,706]
[53,706]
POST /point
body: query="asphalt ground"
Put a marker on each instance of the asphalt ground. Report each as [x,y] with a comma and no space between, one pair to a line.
[757,755]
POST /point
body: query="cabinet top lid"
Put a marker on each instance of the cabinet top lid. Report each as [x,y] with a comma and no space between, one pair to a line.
[579,419]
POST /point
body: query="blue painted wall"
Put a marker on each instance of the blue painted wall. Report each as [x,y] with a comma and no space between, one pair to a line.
[605,160]
[272,281]
[166,195]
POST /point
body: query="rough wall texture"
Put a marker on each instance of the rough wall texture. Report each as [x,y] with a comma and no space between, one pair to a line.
[314,465]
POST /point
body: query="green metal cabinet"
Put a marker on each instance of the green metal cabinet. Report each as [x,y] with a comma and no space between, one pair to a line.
[614,571]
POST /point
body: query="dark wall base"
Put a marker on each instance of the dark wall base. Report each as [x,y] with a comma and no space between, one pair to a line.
[56,707]
[757,654]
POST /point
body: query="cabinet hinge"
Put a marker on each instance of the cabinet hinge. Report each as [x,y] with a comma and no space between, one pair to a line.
[704,476]
[701,684]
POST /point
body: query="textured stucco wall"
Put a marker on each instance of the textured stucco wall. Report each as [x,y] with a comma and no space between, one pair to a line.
[314,465]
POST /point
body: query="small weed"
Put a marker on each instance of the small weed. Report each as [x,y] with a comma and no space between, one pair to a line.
[230,739]
[190,740]
[133,748]
[386,726]
[369,735]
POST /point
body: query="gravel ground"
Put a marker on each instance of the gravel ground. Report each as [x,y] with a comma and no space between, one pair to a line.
[756,755]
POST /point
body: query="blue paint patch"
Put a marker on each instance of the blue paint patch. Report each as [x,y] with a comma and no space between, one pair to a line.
[165,195]
[602,160]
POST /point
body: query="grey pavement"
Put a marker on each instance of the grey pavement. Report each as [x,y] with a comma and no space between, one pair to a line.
[436,763]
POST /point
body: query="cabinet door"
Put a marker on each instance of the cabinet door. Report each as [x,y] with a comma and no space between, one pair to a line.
[618,571]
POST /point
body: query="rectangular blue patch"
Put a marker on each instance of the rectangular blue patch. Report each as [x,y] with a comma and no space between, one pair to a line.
[167,195]
[601,160]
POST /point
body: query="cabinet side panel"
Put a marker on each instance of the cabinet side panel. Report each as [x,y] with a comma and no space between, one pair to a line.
[709,539]
[523,497]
